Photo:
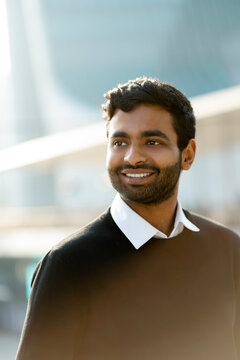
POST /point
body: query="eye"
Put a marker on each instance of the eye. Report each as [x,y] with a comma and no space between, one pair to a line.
[153,142]
[118,143]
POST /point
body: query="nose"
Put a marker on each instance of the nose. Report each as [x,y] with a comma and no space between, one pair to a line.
[134,155]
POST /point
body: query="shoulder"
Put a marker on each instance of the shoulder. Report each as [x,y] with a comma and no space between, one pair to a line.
[92,245]
[210,227]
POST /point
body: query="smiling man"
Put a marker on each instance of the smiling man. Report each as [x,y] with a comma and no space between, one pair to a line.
[147,280]
[144,162]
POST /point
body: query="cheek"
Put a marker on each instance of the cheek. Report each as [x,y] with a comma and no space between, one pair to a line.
[111,158]
[164,157]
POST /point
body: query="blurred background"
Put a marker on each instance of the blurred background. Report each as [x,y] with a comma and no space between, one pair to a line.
[57,59]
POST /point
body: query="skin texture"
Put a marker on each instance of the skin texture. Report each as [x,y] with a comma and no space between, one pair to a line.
[144,162]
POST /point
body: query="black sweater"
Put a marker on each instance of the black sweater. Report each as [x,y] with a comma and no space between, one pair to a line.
[95,297]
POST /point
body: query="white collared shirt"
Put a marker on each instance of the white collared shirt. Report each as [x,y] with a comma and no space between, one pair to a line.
[138,230]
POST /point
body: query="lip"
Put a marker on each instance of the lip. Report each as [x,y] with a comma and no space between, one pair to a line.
[136,171]
[137,176]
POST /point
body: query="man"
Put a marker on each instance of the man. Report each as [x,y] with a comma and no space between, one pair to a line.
[147,280]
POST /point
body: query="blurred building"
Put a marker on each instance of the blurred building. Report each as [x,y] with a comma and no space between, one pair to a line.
[65,55]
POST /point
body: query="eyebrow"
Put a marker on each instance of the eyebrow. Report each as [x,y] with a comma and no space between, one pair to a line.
[120,134]
[158,133]
[146,133]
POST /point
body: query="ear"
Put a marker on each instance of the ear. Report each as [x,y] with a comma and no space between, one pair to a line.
[188,155]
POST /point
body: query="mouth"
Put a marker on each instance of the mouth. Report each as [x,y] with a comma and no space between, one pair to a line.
[136,176]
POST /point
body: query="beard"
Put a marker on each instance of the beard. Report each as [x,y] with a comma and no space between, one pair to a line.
[160,189]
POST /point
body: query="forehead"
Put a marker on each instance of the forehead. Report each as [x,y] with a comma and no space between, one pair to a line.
[142,118]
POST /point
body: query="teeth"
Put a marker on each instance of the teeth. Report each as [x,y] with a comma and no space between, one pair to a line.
[138,175]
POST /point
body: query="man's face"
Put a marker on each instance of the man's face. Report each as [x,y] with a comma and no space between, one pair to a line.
[143,159]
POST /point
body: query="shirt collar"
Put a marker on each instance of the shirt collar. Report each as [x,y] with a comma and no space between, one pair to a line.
[138,230]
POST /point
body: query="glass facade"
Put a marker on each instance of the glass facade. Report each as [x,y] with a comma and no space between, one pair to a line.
[94,45]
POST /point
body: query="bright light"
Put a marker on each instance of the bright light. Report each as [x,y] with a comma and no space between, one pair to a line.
[4,42]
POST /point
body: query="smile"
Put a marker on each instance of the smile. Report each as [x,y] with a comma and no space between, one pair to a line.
[137,175]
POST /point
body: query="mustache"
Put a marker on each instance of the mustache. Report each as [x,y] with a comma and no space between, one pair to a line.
[145,167]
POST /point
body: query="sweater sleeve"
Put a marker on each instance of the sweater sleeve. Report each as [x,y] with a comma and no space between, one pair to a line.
[52,322]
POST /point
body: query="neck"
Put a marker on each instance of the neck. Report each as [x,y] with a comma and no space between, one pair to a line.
[161,216]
